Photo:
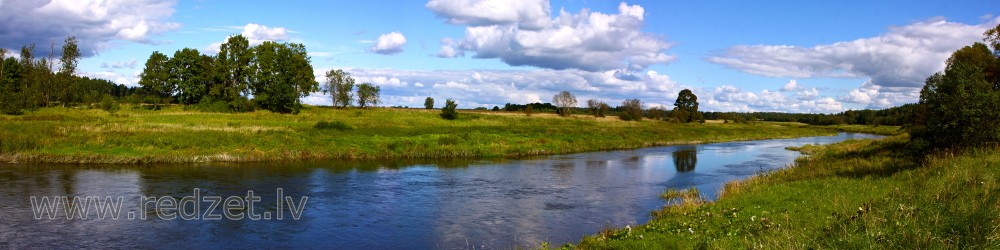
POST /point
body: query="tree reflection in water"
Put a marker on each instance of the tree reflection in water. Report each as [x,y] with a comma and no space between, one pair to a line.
[685,158]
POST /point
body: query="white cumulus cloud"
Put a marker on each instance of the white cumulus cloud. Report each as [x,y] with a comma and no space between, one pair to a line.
[390,43]
[589,41]
[527,14]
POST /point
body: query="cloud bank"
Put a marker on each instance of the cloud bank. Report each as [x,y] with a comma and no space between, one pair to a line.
[902,57]
[523,34]
[96,24]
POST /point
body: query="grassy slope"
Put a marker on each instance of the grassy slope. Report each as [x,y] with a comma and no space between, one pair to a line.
[175,135]
[856,194]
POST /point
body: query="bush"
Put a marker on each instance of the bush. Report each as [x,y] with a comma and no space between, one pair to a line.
[208,104]
[338,125]
[109,104]
[448,112]
[242,104]
[631,110]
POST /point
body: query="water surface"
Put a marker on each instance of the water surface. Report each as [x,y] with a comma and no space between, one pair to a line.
[449,204]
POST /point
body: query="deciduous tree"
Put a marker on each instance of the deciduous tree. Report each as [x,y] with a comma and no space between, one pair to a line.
[340,85]
[191,74]
[429,103]
[70,58]
[960,107]
[368,95]
[631,110]
[565,101]
[448,111]
[155,78]
[686,107]
[282,75]
[234,64]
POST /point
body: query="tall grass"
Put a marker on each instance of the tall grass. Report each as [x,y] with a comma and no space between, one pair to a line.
[855,194]
[173,134]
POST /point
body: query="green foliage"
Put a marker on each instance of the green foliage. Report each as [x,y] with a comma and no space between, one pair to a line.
[192,73]
[282,75]
[448,111]
[495,108]
[429,103]
[234,67]
[631,110]
[29,83]
[686,107]
[368,95]
[68,82]
[155,77]
[961,106]
[208,104]
[340,85]
[109,104]
[336,125]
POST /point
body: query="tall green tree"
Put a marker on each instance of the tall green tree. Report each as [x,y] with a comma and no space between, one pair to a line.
[32,75]
[961,106]
[282,75]
[340,85]
[192,75]
[155,78]
[70,58]
[234,64]
[368,95]
[686,107]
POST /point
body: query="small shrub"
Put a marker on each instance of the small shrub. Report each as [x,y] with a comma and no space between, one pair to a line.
[109,104]
[448,112]
[242,105]
[528,110]
[338,125]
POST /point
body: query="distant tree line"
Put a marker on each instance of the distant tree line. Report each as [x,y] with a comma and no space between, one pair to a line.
[895,116]
[30,82]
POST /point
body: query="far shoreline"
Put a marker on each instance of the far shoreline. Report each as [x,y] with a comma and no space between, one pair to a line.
[174,135]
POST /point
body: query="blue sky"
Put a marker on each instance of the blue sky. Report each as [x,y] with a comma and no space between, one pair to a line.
[788,56]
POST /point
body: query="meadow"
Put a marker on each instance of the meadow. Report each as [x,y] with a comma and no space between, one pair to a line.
[850,195]
[173,134]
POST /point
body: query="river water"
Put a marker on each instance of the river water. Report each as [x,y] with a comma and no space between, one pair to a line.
[449,204]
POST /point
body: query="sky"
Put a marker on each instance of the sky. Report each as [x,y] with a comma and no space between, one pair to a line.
[783,56]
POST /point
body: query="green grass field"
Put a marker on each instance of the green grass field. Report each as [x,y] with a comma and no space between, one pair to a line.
[850,195]
[136,135]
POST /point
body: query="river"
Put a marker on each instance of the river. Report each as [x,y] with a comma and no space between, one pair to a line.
[449,204]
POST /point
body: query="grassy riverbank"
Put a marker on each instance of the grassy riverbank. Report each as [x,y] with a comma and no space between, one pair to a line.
[855,194]
[135,135]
